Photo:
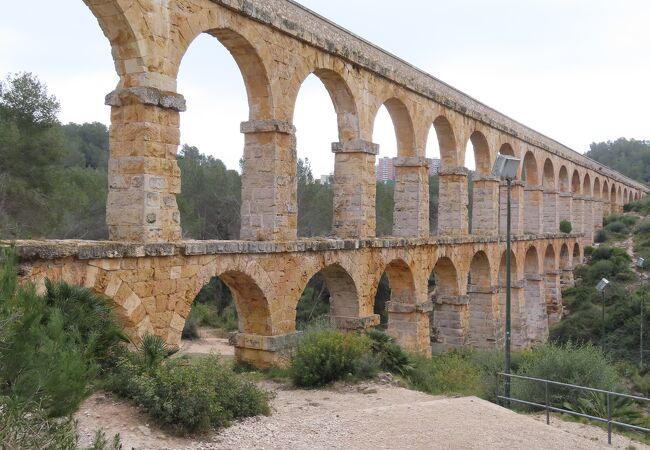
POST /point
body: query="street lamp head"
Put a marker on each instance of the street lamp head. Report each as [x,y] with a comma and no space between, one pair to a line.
[505,167]
[640,263]
[602,285]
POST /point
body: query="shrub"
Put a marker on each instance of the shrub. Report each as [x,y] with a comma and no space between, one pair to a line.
[447,373]
[601,236]
[391,356]
[617,227]
[187,397]
[204,314]
[565,226]
[26,425]
[323,356]
[580,365]
[589,250]
[643,228]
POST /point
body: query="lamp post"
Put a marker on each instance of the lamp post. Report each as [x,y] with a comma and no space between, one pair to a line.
[601,286]
[505,167]
[640,263]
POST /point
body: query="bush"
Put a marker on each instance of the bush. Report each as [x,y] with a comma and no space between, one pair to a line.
[447,373]
[643,228]
[323,356]
[187,397]
[580,365]
[54,344]
[26,425]
[589,250]
[209,315]
[601,236]
[565,226]
[617,227]
[391,356]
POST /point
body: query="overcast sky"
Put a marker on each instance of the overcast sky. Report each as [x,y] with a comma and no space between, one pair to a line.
[575,70]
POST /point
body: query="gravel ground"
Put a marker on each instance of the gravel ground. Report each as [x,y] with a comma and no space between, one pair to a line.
[367,416]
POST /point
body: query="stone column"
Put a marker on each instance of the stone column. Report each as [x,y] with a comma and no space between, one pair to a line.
[551,222]
[597,206]
[264,351]
[533,203]
[578,214]
[536,314]
[409,325]
[269,209]
[143,176]
[485,211]
[411,214]
[485,326]
[518,324]
[516,208]
[450,323]
[588,206]
[607,209]
[553,296]
[566,278]
[354,188]
[565,208]
[452,206]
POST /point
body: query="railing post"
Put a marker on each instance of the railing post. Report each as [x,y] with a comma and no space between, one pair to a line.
[609,421]
[548,416]
[497,388]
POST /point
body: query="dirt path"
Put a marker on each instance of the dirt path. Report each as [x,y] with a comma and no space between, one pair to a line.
[368,416]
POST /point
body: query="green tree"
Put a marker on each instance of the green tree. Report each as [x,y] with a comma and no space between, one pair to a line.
[630,157]
[385,205]
[315,203]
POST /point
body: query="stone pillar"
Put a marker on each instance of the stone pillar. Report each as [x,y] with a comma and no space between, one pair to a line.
[485,326]
[588,227]
[409,325]
[565,208]
[607,209]
[269,209]
[143,176]
[411,214]
[533,203]
[450,323]
[566,278]
[516,208]
[598,206]
[452,206]
[354,188]
[551,222]
[485,213]
[518,324]
[264,351]
[536,313]
[553,296]
[578,214]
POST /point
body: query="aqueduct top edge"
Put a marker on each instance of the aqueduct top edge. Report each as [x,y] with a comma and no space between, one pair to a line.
[301,23]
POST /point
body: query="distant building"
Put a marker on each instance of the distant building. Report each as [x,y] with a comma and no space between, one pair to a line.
[385,168]
[326,179]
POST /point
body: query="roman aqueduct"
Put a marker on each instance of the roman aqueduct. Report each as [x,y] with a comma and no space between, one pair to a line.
[152,275]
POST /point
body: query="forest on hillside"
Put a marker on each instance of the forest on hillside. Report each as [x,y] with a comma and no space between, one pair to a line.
[629,157]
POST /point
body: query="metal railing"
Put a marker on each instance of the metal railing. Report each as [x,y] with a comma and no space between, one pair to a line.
[550,408]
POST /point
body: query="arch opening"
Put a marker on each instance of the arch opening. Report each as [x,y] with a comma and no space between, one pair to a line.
[484,317]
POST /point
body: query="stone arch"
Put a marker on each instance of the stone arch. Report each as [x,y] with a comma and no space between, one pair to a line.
[612,199]
[530,172]
[575,183]
[576,258]
[503,267]
[446,277]
[552,288]
[549,258]
[483,309]
[597,193]
[252,68]
[548,180]
[344,296]
[481,152]
[563,180]
[402,286]
[564,257]
[605,191]
[447,142]
[506,149]
[403,125]
[343,100]
[117,18]
[251,303]
[566,275]
[586,186]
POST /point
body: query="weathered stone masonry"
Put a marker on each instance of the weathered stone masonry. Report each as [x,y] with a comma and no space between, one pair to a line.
[152,275]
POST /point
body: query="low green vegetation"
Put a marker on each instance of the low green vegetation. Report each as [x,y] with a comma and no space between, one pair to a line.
[59,346]
[565,226]
[186,396]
